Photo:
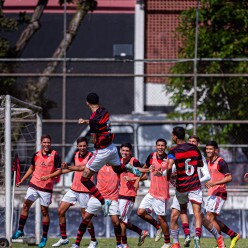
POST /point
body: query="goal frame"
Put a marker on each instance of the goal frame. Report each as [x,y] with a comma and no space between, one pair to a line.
[8,162]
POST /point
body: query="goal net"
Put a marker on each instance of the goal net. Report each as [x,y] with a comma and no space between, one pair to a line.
[20,132]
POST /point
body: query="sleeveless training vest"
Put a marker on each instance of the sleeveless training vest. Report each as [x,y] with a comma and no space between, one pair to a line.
[43,167]
[159,185]
[127,188]
[76,183]
[216,176]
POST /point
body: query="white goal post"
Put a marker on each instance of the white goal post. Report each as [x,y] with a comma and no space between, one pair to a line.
[20,126]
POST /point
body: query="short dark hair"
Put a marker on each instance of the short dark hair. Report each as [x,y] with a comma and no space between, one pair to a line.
[82,139]
[161,140]
[193,136]
[45,136]
[128,145]
[212,143]
[92,98]
[179,132]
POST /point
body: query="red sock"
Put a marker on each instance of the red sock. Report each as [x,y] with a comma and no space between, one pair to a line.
[186,229]
[92,188]
[62,227]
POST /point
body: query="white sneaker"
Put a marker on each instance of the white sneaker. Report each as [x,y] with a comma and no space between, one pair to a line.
[158,235]
[74,246]
[93,244]
[166,245]
[187,241]
[61,242]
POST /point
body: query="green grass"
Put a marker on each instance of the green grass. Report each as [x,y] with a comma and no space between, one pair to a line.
[149,243]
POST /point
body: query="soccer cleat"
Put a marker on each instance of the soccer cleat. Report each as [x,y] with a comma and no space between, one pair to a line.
[119,246]
[168,245]
[61,242]
[93,244]
[105,207]
[133,170]
[176,245]
[187,241]
[17,234]
[125,246]
[42,242]
[142,237]
[234,240]
[74,246]
[158,235]
[197,242]
[220,242]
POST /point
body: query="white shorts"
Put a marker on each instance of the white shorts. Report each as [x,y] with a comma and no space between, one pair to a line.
[175,204]
[72,197]
[108,155]
[94,206]
[149,202]
[214,204]
[33,194]
[126,207]
[193,196]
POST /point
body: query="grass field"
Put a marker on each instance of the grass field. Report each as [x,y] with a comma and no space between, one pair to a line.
[149,243]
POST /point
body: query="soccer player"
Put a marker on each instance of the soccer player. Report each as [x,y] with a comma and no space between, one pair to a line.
[187,159]
[106,152]
[45,166]
[204,176]
[77,193]
[129,184]
[158,194]
[217,194]
[108,185]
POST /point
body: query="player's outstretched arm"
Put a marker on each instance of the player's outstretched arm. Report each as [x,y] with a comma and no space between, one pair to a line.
[27,175]
[57,173]
[83,121]
[169,168]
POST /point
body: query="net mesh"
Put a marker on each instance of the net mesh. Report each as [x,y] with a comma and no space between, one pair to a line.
[23,143]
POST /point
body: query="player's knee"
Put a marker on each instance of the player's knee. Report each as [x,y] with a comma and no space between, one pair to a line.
[61,212]
[141,212]
[174,218]
[210,216]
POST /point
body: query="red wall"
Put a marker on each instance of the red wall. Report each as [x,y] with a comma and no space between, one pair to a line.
[161,43]
[104,6]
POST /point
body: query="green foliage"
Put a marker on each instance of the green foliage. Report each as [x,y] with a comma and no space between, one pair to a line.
[223,27]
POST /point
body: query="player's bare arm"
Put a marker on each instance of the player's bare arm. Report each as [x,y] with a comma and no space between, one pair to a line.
[225,180]
[83,121]
[27,175]
[169,168]
[58,172]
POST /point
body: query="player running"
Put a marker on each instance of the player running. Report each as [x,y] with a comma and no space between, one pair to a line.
[220,176]
[129,184]
[108,185]
[106,152]
[77,193]
[45,166]
[187,159]
[158,194]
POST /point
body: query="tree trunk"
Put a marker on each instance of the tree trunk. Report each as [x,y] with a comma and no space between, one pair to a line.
[32,27]
[82,9]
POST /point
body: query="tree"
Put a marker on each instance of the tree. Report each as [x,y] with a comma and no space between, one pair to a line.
[222,34]
[34,91]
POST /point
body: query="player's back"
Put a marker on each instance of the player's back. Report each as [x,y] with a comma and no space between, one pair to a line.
[187,160]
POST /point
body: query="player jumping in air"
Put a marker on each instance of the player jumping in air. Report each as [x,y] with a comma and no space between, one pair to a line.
[106,152]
